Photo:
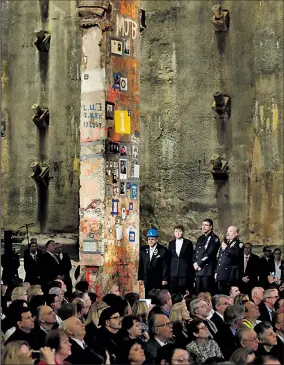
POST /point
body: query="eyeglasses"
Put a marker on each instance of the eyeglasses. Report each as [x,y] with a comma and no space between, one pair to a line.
[168,324]
[252,340]
[116,317]
[275,297]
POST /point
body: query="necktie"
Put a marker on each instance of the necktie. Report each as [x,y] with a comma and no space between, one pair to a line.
[212,327]
[246,262]
[55,258]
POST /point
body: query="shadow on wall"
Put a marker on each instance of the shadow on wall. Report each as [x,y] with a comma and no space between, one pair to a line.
[222,193]
[44,7]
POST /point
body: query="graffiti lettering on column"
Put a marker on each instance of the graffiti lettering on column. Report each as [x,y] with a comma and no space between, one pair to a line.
[126,27]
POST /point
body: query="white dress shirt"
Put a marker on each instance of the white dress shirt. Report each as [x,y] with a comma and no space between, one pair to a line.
[277,269]
[246,258]
[80,343]
[152,249]
[179,243]
[160,342]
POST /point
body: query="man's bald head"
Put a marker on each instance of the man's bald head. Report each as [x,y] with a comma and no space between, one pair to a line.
[232,232]
[45,315]
[74,328]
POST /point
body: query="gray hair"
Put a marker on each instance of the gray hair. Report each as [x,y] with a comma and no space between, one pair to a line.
[240,334]
[233,313]
[260,329]
[55,290]
[194,304]
[267,293]
[216,299]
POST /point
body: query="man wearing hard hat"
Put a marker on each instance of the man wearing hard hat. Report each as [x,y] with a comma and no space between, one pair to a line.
[153,263]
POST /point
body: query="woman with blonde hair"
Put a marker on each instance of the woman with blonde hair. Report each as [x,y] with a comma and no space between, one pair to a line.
[241,299]
[92,321]
[140,309]
[19,293]
[34,290]
[13,349]
[179,316]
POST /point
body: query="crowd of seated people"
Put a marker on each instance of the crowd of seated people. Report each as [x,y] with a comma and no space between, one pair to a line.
[45,323]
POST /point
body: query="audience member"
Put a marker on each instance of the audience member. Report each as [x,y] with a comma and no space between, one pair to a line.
[233,292]
[279,306]
[115,290]
[9,323]
[45,320]
[179,316]
[164,300]
[199,309]
[220,302]
[131,328]
[65,266]
[82,286]
[257,294]
[266,360]
[31,255]
[13,349]
[131,352]
[140,309]
[19,293]
[278,350]
[201,347]
[267,338]
[58,341]
[171,354]
[246,337]
[266,308]
[132,298]
[207,297]
[161,332]
[251,314]
[33,291]
[24,326]
[66,311]
[241,299]
[264,264]
[243,356]
[92,322]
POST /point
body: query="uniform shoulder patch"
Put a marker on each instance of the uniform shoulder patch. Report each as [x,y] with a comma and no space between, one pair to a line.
[241,245]
[216,239]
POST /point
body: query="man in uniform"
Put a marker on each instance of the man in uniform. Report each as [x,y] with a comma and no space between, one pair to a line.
[204,257]
[181,269]
[228,271]
[153,268]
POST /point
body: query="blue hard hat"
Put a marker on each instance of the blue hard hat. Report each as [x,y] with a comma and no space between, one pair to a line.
[152,232]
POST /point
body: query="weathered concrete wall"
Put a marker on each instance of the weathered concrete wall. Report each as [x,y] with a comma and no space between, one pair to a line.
[51,80]
[183,64]
[109,179]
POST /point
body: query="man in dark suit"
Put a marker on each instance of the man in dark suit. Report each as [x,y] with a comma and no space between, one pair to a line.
[249,269]
[161,333]
[204,257]
[65,267]
[153,268]
[48,265]
[229,261]
[24,327]
[181,269]
[265,264]
[276,268]
[81,353]
[31,255]
[266,307]
[277,351]
[220,302]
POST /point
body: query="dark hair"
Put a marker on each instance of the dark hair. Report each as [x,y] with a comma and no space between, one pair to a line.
[66,311]
[248,243]
[162,297]
[93,297]
[82,286]
[32,243]
[192,328]
[277,249]
[11,314]
[54,337]
[261,327]
[180,226]
[155,310]
[50,299]
[124,349]
[177,298]
[36,302]
[262,359]
[49,242]
[165,353]
[265,248]
[18,314]
[208,220]
[76,293]
[153,295]
[113,301]
[127,323]
[54,284]
[277,304]
[132,298]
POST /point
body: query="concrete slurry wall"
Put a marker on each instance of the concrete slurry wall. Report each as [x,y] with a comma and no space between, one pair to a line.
[183,63]
[52,80]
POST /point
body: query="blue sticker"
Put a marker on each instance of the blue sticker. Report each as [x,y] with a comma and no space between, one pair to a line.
[131,236]
[116,80]
[130,206]
[114,207]
[134,191]
[128,185]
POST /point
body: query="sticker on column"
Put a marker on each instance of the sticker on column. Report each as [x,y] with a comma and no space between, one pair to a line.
[123,84]
[130,206]
[123,212]
[134,191]
[116,81]
[123,169]
[128,185]
[114,207]
[121,122]
[135,152]
[122,189]
[116,47]
[131,234]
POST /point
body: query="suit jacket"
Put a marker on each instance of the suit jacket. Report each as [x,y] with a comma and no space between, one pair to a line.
[65,265]
[49,269]
[31,267]
[107,340]
[80,355]
[155,271]
[151,349]
[20,335]
[265,266]
[218,321]
[264,314]
[271,266]
[278,350]
[226,341]
[252,271]
[229,262]
[181,266]
[205,253]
